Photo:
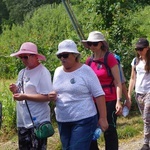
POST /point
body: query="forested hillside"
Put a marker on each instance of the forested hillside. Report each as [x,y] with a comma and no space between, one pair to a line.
[47,24]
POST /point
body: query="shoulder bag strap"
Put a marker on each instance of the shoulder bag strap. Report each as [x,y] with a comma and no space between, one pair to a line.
[25,100]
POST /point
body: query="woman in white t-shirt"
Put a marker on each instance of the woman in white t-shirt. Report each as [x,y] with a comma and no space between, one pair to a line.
[140,78]
[75,85]
[30,93]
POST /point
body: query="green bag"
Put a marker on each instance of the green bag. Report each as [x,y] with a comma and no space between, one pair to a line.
[44,130]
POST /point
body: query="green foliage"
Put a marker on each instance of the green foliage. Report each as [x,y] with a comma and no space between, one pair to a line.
[47,28]
[131,127]
[4,15]
[50,24]
[8,110]
[8,127]
[140,21]
[18,9]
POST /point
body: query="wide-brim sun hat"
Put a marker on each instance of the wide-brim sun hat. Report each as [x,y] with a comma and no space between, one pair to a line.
[67,46]
[28,48]
[94,36]
[142,43]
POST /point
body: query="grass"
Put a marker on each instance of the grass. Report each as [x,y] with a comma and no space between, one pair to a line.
[127,128]
[8,127]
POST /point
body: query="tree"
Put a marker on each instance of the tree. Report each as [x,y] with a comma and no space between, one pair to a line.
[4,14]
[19,8]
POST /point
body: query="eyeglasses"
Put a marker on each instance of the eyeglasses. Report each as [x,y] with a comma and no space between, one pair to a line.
[66,55]
[139,49]
[92,43]
[25,57]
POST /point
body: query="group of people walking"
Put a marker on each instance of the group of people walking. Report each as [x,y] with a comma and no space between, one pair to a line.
[86,95]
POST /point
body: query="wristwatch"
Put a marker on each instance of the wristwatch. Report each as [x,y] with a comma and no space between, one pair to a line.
[121,100]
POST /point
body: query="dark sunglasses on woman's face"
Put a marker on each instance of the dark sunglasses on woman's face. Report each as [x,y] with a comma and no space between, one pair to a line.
[92,43]
[139,49]
[66,55]
[24,57]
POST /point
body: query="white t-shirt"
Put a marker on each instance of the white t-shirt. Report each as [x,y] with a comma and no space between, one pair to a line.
[36,80]
[75,92]
[142,85]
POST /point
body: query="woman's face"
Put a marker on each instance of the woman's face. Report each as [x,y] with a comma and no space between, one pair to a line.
[29,60]
[94,46]
[142,51]
[68,60]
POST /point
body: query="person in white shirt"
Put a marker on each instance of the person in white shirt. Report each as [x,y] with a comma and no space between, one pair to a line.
[30,91]
[75,84]
[140,78]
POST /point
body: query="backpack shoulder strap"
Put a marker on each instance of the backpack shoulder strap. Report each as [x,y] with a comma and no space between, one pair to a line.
[135,63]
[111,85]
[99,63]
[117,57]
[89,60]
[106,63]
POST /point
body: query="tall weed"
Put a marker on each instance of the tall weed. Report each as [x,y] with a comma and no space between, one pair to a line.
[8,109]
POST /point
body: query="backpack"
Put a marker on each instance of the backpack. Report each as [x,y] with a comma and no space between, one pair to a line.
[99,63]
[135,63]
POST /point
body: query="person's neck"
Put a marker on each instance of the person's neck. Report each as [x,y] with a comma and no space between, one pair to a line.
[33,66]
[142,57]
[99,54]
[73,68]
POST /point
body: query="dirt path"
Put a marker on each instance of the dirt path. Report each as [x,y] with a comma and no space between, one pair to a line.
[132,144]
[54,143]
[129,144]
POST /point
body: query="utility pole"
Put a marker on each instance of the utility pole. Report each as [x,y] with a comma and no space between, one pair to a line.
[73,19]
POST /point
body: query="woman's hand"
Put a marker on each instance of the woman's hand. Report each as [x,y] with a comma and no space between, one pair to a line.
[19,96]
[52,96]
[118,108]
[103,124]
[128,103]
[13,88]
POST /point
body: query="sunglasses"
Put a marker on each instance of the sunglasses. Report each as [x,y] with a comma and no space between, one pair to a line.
[25,57]
[92,43]
[139,49]
[66,55]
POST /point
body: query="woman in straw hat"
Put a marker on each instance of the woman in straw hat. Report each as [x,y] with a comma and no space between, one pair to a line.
[75,85]
[110,84]
[30,93]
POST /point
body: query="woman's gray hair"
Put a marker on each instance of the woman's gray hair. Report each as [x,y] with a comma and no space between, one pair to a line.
[77,56]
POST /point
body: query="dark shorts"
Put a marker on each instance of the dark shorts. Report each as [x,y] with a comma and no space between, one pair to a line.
[28,141]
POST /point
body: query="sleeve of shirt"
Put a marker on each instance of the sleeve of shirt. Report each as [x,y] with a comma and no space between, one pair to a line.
[133,62]
[93,83]
[45,84]
[123,80]
[111,60]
